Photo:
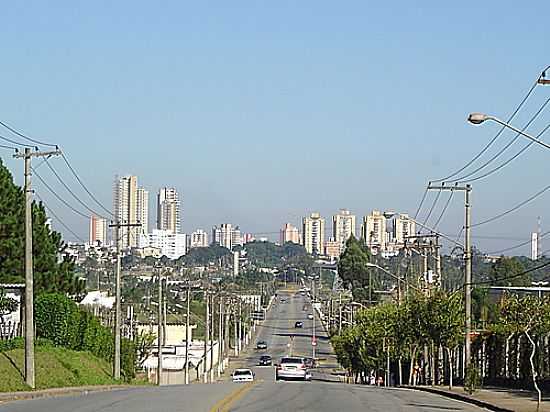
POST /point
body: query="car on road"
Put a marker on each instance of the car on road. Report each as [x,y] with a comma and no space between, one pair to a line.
[310,316]
[299,324]
[265,360]
[261,344]
[292,368]
[242,375]
[310,363]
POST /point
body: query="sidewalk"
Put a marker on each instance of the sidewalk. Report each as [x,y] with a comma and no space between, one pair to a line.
[495,399]
[46,393]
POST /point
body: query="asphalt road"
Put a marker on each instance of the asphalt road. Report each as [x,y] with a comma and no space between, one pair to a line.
[323,393]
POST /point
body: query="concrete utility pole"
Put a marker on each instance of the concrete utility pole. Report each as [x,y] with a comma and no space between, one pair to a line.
[212,331]
[160,329]
[240,319]
[29,274]
[467,189]
[220,336]
[116,358]
[206,335]
[188,303]
[313,338]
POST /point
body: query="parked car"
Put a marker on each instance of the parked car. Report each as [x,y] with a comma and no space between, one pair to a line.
[299,324]
[292,368]
[265,360]
[261,345]
[310,316]
[242,375]
[310,363]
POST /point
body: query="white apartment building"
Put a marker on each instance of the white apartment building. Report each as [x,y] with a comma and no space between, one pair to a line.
[314,233]
[236,238]
[168,210]
[289,233]
[171,245]
[403,226]
[343,227]
[223,235]
[131,206]
[142,209]
[98,231]
[373,230]
[199,238]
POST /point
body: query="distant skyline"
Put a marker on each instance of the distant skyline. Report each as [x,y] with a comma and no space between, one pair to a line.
[259,114]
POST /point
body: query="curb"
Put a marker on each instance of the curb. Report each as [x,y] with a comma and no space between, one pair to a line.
[459,397]
[55,392]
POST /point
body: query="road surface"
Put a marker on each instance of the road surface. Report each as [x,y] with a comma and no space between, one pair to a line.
[320,395]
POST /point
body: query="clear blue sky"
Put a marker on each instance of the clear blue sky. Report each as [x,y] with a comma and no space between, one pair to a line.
[259,112]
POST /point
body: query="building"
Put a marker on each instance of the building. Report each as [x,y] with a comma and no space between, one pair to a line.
[289,233]
[168,210]
[171,245]
[223,235]
[333,248]
[534,246]
[125,209]
[199,238]
[403,226]
[343,227]
[313,233]
[142,209]
[236,238]
[373,230]
[247,238]
[98,231]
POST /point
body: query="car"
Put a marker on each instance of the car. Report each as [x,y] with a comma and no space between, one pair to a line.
[292,368]
[310,316]
[242,375]
[310,363]
[261,345]
[299,324]
[265,360]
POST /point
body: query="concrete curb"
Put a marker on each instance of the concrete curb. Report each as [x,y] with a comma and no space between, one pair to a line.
[54,392]
[459,397]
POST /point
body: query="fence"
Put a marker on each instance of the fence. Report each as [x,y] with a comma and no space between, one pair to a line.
[10,330]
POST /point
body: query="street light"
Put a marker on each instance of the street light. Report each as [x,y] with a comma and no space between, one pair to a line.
[478,118]
[374,265]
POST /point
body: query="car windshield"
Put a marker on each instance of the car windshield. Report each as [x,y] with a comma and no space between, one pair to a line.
[291,360]
[241,373]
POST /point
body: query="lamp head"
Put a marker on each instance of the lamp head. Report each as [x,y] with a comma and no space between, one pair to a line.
[477,118]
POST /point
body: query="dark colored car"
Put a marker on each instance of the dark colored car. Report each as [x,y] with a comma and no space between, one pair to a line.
[299,324]
[265,360]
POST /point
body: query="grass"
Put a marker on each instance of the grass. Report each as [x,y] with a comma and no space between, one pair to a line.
[55,367]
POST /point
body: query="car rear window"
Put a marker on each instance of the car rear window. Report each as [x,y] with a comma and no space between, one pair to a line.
[241,373]
[291,360]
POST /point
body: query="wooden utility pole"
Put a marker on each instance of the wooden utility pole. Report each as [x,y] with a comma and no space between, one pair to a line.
[29,275]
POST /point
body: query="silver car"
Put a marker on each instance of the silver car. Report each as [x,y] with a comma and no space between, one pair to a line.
[292,368]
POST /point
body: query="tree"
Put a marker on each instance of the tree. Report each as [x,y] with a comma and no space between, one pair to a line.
[507,271]
[353,269]
[50,274]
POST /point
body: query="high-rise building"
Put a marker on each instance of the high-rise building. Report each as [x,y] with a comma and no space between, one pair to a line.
[130,207]
[343,227]
[168,210]
[289,233]
[199,238]
[403,226]
[313,233]
[171,245]
[98,231]
[373,230]
[223,235]
[236,238]
[534,246]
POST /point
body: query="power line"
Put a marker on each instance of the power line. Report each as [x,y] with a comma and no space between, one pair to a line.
[70,191]
[488,145]
[84,186]
[432,208]
[492,219]
[9,147]
[496,169]
[492,159]
[421,203]
[11,129]
[7,139]
[444,210]
[60,221]
[59,197]
[517,246]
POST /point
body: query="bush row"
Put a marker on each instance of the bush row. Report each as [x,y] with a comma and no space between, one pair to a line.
[61,321]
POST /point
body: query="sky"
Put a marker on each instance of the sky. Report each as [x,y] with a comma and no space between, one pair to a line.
[262,112]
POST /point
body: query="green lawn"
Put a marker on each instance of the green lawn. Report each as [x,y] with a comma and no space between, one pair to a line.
[55,367]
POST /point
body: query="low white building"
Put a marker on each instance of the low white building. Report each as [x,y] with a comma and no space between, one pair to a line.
[171,245]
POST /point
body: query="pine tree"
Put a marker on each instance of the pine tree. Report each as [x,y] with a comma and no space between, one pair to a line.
[51,274]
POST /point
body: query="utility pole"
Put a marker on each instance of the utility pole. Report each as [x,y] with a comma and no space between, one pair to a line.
[188,303]
[313,339]
[212,331]
[116,358]
[467,189]
[160,329]
[221,344]
[206,335]
[29,275]
[240,332]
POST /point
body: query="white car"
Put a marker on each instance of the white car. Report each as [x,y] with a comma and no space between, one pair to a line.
[292,368]
[243,375]
[310,316]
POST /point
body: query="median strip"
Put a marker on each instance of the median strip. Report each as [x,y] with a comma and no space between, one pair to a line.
[224,404]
